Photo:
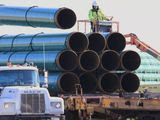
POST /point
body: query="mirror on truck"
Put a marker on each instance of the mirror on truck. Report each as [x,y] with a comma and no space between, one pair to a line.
[45,84]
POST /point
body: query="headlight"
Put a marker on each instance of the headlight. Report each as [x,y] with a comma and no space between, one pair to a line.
[8,105]
[56,104]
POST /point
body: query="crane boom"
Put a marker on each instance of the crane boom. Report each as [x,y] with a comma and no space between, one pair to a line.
[134,40]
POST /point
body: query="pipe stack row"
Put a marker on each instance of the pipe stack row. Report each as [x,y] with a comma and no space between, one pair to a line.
[114,72]
[149,70]
[96,61]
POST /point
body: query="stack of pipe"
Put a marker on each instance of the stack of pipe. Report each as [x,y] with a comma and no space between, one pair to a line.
[56,52]
[114,72]
[96,61]
[149,70]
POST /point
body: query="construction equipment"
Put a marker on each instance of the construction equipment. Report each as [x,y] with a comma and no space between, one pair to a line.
[22,98]
[134,40]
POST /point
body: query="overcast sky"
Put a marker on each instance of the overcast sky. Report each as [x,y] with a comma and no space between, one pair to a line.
[141,17]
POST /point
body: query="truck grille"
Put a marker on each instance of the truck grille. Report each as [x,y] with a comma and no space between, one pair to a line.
[32,103]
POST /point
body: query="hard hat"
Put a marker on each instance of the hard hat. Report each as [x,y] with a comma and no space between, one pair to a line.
[94,3]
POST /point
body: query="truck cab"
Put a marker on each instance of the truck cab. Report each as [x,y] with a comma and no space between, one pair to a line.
[22,98]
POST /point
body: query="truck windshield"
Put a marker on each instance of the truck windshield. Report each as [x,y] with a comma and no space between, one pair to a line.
[18,78]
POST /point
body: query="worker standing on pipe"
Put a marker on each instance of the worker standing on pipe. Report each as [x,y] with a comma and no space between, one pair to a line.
[95,15]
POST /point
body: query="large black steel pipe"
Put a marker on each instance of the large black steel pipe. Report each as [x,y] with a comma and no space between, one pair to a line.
[34,16]
[129,82]
[130,60]
[108,82]
[110,60]
[115,41]
[88,82]
[66,60]
[75,41]
[61,82]
[97,42]
[89,60]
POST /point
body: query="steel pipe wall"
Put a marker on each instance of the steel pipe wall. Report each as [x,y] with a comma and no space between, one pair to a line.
[61,82]
[54,60]
[75,41]
[34,16]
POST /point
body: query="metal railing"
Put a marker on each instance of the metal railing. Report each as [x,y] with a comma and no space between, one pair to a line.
[86,22]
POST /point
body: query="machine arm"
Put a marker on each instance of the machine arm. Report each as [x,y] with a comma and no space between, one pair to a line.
[134,40]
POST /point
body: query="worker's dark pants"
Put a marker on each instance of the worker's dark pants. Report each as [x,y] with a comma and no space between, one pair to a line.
[93,27]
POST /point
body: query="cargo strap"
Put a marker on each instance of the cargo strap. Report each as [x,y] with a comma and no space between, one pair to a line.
[25,59]
[10,56]
[26,18]
[14,38]
[34,36]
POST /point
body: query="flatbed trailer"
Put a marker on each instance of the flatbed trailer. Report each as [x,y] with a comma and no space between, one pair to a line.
[135,106]
[120,106]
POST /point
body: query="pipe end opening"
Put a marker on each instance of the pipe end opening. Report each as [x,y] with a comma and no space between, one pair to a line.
[109,83]
[68,60]
[97,42]
[78,42]
[88,82]
[130,82]
[131,60]
[110,60]
[89,60]
[66,18]
[68,82]
[116,41]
